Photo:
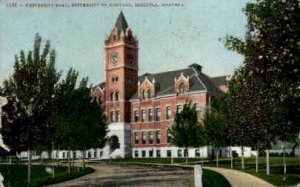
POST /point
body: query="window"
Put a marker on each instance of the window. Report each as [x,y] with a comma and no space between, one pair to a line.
[181,88]
[143,115]
[101,153]
[168,136]
[136,154]
[168,112]
[169,153]
[150,115]
[143,154]
[114,80]
[149,94]
[158,136]
[158,153]
[151,153]
[179,153]
[112,116]
[186,153]
[95,154]
[144,94]
[197,108]
[117,96]
[150,137]
[135,116]
[143,137]
[178,108]
[197,152]
[112,96]
[157,114]
[117,116]
[136,138]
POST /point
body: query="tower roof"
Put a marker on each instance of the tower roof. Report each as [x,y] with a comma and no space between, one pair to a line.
[121,23]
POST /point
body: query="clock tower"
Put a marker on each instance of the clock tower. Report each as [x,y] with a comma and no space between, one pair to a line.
[121,67]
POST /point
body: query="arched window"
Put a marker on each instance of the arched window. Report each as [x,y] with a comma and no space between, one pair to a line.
[144,94]
[117,96]
[149,93]
[181,88]
[112,96]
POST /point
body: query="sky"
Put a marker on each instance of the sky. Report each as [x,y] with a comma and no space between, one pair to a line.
[169,37]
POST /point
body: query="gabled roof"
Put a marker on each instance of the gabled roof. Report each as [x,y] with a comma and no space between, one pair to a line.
[121,23]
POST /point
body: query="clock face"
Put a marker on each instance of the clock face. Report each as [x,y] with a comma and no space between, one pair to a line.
[114,57]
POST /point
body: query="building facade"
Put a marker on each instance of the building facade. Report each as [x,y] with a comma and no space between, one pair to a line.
[141,109]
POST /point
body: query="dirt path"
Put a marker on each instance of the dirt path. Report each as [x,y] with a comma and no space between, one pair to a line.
[132,175]
[240,179]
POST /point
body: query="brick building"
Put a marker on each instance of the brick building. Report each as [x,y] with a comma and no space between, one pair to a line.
[141,108]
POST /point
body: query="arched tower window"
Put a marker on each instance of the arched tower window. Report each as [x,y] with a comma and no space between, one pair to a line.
[181,88]
[117,96]
[112,96]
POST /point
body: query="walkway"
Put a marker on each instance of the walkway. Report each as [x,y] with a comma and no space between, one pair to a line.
[240,179]
[133,175]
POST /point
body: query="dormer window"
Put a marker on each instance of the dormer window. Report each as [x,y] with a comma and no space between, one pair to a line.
[181,88]
[148,94]
[144,94]
[114,37]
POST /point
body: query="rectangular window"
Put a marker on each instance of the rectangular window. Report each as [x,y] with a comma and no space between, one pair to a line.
[151,153]
[169,136]
[197,153]
[168,112]
[112,116]
[136,116]
[178,108]
[143,137]
[136,138]
[150,137]
[150,115]
[169,153]
[143,154]
[143,115]
[197,107]
[186,153]
[101,153]
[179,153]
[158,136]
[157,114]
[136,154]
[117,116]
[158,153]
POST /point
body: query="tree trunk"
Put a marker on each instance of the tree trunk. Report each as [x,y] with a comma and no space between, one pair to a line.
[284,162]
[69,160]
[186,155]
[256,161]
[243,161]
[52,159]
[267,162]
[29,166]
[217,158]
[83,159]
[231,159]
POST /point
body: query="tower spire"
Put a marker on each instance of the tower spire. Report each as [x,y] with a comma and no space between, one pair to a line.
[121,23]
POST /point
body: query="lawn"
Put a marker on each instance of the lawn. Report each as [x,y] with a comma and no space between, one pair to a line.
[276,177]
[16,175]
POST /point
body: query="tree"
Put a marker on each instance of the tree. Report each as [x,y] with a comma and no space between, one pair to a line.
[30,91]
[215,125]
[271,50]
[80,120]
[186,131]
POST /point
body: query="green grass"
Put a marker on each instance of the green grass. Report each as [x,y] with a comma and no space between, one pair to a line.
[276,176]
[16,175]
[213,179]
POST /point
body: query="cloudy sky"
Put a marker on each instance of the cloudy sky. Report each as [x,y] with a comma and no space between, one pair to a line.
[169,37]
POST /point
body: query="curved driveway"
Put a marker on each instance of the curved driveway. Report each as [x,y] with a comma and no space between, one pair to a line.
[132,175]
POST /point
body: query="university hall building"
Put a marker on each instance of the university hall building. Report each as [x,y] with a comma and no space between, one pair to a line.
[141,108]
